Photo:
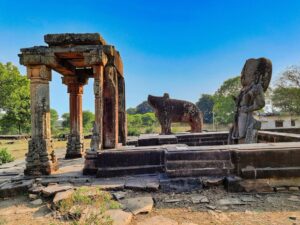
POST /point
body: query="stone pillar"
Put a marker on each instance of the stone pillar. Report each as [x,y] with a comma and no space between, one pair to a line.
[75,145]
[122,111]
[40,159]
[110,108]
[97,137]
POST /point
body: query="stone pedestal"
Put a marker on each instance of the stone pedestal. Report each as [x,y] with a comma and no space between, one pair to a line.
[75,145]
[40,157]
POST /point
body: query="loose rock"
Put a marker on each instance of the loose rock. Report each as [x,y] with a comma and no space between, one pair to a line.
[119,217]
[37,202]
[53,189]
[62,195]
[138,205]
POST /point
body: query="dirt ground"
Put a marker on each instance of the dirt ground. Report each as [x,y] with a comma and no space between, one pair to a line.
[266,209]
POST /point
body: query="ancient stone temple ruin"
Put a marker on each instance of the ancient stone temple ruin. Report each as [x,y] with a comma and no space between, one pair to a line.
[77,57]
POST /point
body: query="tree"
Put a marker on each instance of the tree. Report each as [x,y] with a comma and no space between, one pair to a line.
[205,104]
[131,111]
[87,120]
[14,100]
[230,87]
[144,107]
[53,120]
[223,98]
[66,120]
[286,94]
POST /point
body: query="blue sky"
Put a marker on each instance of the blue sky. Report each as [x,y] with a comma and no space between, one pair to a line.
[185,48]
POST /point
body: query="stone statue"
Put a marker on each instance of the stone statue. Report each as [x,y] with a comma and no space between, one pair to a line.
[172,110]
[255,79]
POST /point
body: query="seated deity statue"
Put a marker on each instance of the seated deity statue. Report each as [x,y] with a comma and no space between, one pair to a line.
[255,79]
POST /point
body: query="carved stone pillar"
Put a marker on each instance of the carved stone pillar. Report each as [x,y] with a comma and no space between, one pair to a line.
[110,108]
[75,145]
[97,138]
[40,159]
[122,111]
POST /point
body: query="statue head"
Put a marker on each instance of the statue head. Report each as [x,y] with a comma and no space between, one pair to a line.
[257,71]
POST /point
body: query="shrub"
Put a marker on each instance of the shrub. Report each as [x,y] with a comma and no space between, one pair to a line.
[5,156]
[133,131]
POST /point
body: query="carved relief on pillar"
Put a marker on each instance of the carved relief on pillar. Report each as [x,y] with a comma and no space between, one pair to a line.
[40,157]
[75,144]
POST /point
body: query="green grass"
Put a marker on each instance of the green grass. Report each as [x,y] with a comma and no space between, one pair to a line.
[85,198]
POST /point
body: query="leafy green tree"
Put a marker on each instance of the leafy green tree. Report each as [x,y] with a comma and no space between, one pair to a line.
[230,87]
[148,119]
[65,120]
[286,94]
[14,100]
[87,120]
[224,104]
[205,104]
[53,120]
[144,107]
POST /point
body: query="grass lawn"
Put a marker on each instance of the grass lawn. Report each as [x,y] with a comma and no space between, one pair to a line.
[18,148]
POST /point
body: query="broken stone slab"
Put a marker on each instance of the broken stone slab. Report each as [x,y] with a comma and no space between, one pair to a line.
[158,220]
[281,189]
[211,207]
[199,199]
[173,200]
[37,202]
[212,181]
[109,183]
[138,205]
[59,196]
[293,188]
[294,198]
[248,199]
[230,201]
[119,195]
[36,189]
[14,188]
[53,189]
[142,183]
[258,185]
[119,217]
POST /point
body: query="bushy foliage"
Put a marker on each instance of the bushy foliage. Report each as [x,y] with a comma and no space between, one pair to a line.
[206,104]
[136,123]
[5,156]
[14,100]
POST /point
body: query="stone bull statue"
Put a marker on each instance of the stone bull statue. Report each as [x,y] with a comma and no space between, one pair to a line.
[172,110]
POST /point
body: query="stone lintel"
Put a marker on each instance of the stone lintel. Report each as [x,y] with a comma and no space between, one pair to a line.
[74,39]
[75,84]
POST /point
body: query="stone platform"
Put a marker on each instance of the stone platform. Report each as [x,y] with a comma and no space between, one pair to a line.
[200,154]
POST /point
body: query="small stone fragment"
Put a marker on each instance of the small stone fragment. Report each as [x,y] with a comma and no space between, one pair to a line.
[173,200]
[119,195]
[53,189]
[211,207]
[248,199]
[230,201]
[33,196]
[138,205]
[293,188]
[280,189]
[37,202]
[292,217]
[212,181]
[119,217]
[59,196]
[294,198]
[199,199]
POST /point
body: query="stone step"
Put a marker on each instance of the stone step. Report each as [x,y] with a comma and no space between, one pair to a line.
[128,170]
[198,155]
[198,172]
[192,164]
[276,172]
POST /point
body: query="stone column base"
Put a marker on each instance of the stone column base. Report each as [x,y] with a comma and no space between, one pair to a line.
[75,147]
[38,161]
